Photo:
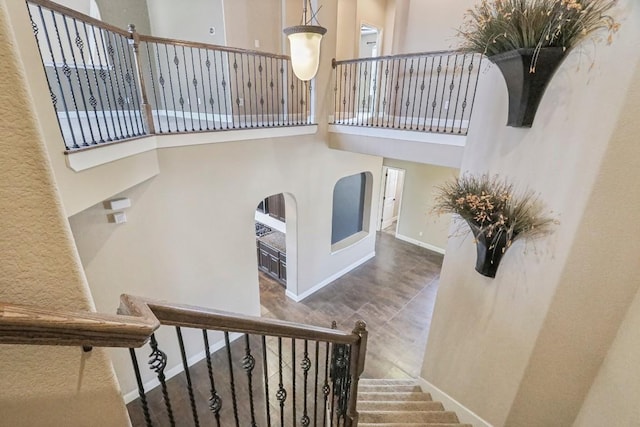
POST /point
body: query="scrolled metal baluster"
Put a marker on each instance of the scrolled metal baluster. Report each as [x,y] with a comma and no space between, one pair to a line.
[250,85]
[435,103]
[188,90]
[141,392]
[266,380]
[281,394]
[215,401]
[173,95]
[387,96]
[408,102]
[224,91]
[54,98]
[293,377]
[248,364]
[326,389]
[444,88]
[157,363]
[109,74]
[123,98]
[426,111]
[344,93]
[315,393]
[354,93]
[369,82]
[185,365]
[293,104]
[95,79]
[451,88]
[195,83]
[237,100]
[422,87]
[455,110]
[340,376]
[271,86]
[153,86]
[181,100]
[210,100]
[232,382]
[262,92]
[415,94]
[404,73]
[305,364]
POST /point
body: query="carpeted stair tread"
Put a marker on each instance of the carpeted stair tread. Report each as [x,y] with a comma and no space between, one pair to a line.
[410,396]
[408,417]
[386,381]
[414,425]
[417,405]
[388,388]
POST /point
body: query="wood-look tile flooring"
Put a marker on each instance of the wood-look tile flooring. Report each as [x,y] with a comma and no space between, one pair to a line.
[394,293]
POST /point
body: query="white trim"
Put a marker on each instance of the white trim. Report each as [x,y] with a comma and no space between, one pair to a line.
[465,415]
[170,373]
[101,154]
[421,244]
[405,135]
[325,282]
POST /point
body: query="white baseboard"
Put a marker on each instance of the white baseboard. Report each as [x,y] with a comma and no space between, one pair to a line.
[170,373]
[421,244]
[325,282]
[465,415]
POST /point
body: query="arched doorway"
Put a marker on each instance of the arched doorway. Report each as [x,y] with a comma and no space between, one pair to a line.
[276,244]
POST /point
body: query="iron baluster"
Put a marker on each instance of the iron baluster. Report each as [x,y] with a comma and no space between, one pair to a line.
[386,108]
[92,99]
[369,81]
[415,93]
[153,86]
[455,110]
[77,73]
[241,102]
[188,89]
[305,365]
[344,94]
[354,94]
[335,92]
[185,365]
[262,93]
[232,382]
[451,88]
[378,91]
[227,81]
[407,102]
[110,90]
[134,89]
[292,104]
[271,86]
[122,93]
[224,89]
[265,372]
[176,62]
[157,362]
[283,85]
[293,377]
[248,364]
[281,394]
[475,91]
[422,87]
[359,90]
[215,401]
[95,79]
[315,393]
[235,68]
[435,97]
[326,389]
[194,82]
[66,70]
[444,88]
[210,100]
[404,79]
[141,392]
[55,68]
[426,112]
[173,95]
[348,94]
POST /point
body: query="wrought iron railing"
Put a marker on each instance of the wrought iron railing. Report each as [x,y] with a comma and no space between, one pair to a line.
[427,92]
[108,84]
[273,373]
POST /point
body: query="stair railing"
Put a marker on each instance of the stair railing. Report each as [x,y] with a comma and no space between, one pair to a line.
[426,92]
[108,84]
[253,371]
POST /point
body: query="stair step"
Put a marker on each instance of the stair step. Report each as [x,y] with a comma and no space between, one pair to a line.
[404,397]
[413,425]
[407,417]
[386,381]
[418,405]
[388,388]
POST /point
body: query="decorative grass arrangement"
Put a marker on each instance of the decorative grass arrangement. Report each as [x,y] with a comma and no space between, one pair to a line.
[492,208]
[497,26]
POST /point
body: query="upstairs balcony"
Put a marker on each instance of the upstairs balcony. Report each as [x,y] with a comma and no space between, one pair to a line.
[110,85]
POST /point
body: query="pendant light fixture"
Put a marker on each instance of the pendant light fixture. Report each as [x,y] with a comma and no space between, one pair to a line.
[305,45]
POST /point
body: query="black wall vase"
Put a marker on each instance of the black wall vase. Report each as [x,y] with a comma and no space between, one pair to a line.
[489,251]
[526,88]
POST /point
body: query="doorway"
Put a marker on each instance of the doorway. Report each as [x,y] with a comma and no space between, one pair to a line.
[391,199]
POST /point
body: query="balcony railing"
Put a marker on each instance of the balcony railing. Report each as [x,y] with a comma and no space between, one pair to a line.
[274,373]
[426,92]
[108,84]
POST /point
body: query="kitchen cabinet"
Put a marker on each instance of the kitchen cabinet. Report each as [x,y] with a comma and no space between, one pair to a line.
[274,206]
[272,261]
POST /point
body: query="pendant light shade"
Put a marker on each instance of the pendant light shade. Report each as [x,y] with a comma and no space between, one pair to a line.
[304,41]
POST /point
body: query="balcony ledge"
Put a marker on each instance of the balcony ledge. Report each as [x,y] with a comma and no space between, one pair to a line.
[101,154]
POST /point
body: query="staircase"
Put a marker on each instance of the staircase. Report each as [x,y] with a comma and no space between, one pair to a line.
[385,403]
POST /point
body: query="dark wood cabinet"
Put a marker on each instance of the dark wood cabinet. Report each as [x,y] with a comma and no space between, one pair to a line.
[274,206]
[272,261]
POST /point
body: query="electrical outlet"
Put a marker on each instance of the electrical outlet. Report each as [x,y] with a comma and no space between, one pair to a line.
[256,43]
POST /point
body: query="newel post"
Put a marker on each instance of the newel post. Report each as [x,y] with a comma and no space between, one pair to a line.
[134,41]
[358,355]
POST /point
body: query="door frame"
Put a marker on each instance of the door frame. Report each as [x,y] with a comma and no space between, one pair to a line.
[383,187]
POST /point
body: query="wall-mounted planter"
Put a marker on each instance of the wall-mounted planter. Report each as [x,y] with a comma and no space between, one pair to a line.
[489,251]
[525,87]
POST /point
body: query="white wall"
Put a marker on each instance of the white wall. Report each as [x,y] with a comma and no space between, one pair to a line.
[187,20]
[523,348]
[41,386]
[416,221]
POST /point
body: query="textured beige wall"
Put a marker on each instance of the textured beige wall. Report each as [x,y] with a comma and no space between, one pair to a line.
[523,348]
[251,20]
[41,386]
[417,202]
[347,27]
[121,13]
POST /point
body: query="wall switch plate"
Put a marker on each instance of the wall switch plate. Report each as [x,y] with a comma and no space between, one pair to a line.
[256,43]
[117,204]
[117,217]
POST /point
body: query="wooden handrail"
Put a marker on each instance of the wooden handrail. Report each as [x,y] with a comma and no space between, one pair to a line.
[137,319]
[400,56]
